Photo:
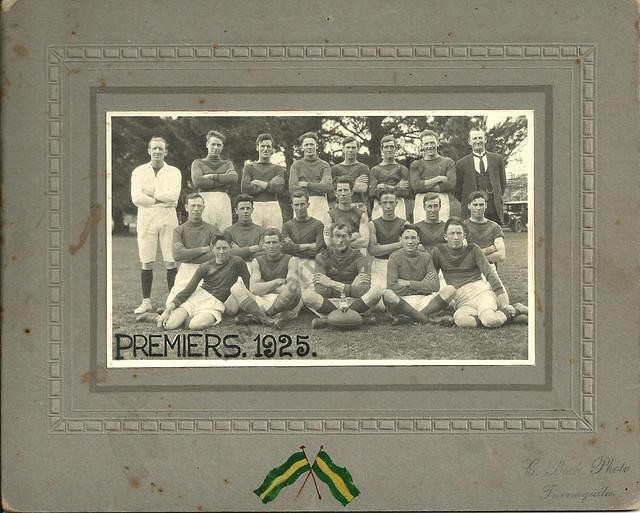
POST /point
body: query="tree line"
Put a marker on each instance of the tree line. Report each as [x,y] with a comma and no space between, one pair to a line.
[186,141]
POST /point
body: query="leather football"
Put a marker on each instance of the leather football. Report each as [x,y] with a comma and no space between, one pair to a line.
[348,320]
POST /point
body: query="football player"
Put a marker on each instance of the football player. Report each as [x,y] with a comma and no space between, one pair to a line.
[384,238]
[487,234]
[311,175]
[477,302]
[342,274]
[357,172]
[155,189]
[433,173]
[264,181]
[303,237]
[244,234]
[214,178]
[274,289]
[346,213]
[389,176]
[412,282]
[201,306]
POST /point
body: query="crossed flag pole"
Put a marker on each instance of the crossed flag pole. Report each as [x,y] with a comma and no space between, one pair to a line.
[338,479]
[310,473]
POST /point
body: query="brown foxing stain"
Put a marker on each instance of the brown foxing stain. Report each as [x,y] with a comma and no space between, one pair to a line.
[216,45]
[201,101]
[134,376]
[27,331]
[226,481]
[156,488]
[51,483]
[103,82]
[538,302]
[540,242]
[100,375]
[199,508]
[592,440]
[21,50]
[95,216]
[134,482]
[628,427]
[578,60]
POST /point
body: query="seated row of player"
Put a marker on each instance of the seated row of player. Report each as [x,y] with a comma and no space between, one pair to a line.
[308,263]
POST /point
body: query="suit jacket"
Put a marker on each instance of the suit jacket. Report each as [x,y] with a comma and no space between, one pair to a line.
[466,181]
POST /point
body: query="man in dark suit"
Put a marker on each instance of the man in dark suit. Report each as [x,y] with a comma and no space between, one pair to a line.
[481,171]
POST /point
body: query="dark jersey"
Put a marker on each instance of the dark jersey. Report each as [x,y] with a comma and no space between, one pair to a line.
[342,267]
[223,170]
[273,269]
[430,234]
[316,172]
[349,217]
[303,232]
[465,265]
[388,232]
[266,172]
[352,171]
[483,234]
[243,236]
[189,236]
[418,269]
[389,174]
[217,279]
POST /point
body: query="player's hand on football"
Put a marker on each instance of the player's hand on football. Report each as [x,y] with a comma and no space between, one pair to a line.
[162,320]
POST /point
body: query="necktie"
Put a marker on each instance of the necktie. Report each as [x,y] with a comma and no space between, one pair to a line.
[483,169]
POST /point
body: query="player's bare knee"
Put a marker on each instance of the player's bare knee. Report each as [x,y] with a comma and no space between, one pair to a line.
[201,322]
[390,297]
[492,319]
[447,292]
[239,290]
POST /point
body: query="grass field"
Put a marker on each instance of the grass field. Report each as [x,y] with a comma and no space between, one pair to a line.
[382,341]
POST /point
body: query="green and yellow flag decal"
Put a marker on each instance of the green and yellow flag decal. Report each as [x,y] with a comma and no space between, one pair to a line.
[282,476]
[338,479]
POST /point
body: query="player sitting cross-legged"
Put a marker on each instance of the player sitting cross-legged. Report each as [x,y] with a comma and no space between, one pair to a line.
[412,282]
[201,306]
[273,288]
[477,302]
[340,271]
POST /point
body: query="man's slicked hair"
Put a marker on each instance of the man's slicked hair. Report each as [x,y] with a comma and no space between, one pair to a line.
[426,133]
[272,231]
[432,196]
[264,137]
[409,226]
[476,195]
[339,226]
[387,138]
[158,138]
[455,221]
[193,195]
[309,135]
[244,197]
[299,194]
[350,138]
[215,133]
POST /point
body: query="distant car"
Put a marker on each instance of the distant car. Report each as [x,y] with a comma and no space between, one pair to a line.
[516,214]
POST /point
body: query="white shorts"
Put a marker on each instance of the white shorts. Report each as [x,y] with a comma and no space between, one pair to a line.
[418,301]
[265,302]
[155,223]
[318,207]
[418,208]
[202,302]
[379,273]
[217,209]
[183,277]
[476,296]
[306,267]
[401,209]
[267,214]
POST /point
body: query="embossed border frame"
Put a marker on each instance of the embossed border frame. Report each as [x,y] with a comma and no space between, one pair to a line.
[62,57]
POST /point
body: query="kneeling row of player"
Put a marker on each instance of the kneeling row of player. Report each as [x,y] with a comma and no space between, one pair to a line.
[271,293]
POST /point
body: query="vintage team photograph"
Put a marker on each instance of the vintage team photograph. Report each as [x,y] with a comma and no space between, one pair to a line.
[320,238]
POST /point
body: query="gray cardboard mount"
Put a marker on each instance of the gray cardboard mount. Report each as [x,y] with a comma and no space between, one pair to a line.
[79,437]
